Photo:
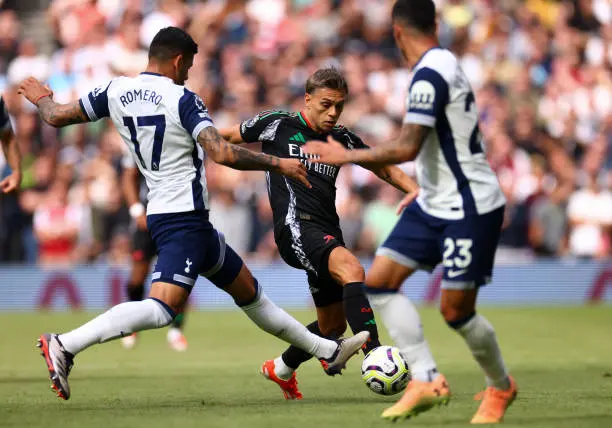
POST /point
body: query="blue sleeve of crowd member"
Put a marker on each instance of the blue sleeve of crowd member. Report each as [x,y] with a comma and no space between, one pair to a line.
[5,120]
[95,104]
[193,113]
[427,98]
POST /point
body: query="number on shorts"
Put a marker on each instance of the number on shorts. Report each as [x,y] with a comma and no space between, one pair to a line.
[463,257]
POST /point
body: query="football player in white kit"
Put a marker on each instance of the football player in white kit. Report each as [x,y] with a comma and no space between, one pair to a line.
[456,220]
[167,128]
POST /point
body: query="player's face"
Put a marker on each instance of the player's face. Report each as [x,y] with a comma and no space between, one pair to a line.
[324,107]
[182,65]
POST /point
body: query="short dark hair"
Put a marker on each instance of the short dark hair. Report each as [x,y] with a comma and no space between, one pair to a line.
[330,78]
[418,14]
[170,42]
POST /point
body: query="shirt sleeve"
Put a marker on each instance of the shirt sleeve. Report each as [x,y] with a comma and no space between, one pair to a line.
[95,103]
[5,120]
[252,130]
[427,98]
[193,114]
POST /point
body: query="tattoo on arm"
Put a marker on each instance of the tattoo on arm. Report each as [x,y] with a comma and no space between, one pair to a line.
[403,149]
[235,156]
[59,115]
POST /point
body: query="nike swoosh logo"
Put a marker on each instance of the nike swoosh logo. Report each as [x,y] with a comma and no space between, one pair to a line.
[455,273]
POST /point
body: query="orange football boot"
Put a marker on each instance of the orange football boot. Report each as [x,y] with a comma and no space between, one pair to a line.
[494,404]
[289,387]
[418,398]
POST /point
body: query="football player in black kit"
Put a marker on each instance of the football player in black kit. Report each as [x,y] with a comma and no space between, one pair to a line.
[306,224]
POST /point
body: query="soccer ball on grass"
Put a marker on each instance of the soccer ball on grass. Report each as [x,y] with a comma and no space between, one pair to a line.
[384,371]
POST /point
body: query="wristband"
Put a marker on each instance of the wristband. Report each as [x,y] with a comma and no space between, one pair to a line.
[48,94]
[136,210]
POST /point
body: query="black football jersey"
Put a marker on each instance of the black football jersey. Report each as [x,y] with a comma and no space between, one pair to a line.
[283,134]
[5,122]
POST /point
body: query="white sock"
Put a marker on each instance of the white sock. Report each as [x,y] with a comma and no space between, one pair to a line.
[403,323]
[272,319]
[281,369]
[121,320]
[480,338]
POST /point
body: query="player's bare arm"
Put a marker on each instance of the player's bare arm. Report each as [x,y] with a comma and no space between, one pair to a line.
[55,114]
[400,180]
[403,149]
[129,184]
[238,157]
[13,157]
[232,134]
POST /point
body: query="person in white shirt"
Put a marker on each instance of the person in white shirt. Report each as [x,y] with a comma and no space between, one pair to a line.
[167,128]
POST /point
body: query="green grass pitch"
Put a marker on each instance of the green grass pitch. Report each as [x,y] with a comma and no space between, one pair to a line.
[561,358]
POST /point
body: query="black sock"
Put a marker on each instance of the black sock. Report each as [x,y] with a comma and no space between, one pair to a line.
[178,321]
[135,292]
[359,313]
[295,356]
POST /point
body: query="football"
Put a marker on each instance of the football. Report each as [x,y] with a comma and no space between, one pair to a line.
[384,371]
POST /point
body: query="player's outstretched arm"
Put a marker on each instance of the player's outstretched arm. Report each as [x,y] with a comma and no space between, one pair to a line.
[56,115]
[238,157]
[232,134]
[403,149]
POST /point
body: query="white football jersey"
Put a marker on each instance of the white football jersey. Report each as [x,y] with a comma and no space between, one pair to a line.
[160,122]
[452,170]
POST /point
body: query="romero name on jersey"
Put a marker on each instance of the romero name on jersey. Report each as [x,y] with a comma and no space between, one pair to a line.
[148,110]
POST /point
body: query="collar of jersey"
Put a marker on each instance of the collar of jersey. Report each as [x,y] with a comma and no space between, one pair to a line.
[307,123]
[154,74]
[425,53]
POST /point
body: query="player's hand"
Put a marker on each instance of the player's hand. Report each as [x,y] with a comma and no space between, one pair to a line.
[407,200]
[295,169]
[141,222]
[11,183]
[332,152]
[34,90]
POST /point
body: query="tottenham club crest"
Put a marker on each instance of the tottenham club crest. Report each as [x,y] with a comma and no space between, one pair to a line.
[188,264]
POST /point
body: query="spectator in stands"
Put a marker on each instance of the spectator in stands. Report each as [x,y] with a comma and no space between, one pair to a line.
[590,210]
[56,226]
[541,69]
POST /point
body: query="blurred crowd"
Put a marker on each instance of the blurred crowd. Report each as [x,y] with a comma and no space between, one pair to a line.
[541,70]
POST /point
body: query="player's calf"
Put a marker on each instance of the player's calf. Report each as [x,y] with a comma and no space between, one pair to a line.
[347,271]
[458,309]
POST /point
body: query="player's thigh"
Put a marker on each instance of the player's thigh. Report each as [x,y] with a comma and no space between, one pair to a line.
[387,274]
[226,269]
[243,288]
[344,267]
[331,319]
[184,242]
[412,244]
[170,294]
[468,250]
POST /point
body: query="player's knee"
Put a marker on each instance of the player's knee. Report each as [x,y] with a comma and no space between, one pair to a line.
[163,313]
[456,317]
[353,271]
[345,267]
